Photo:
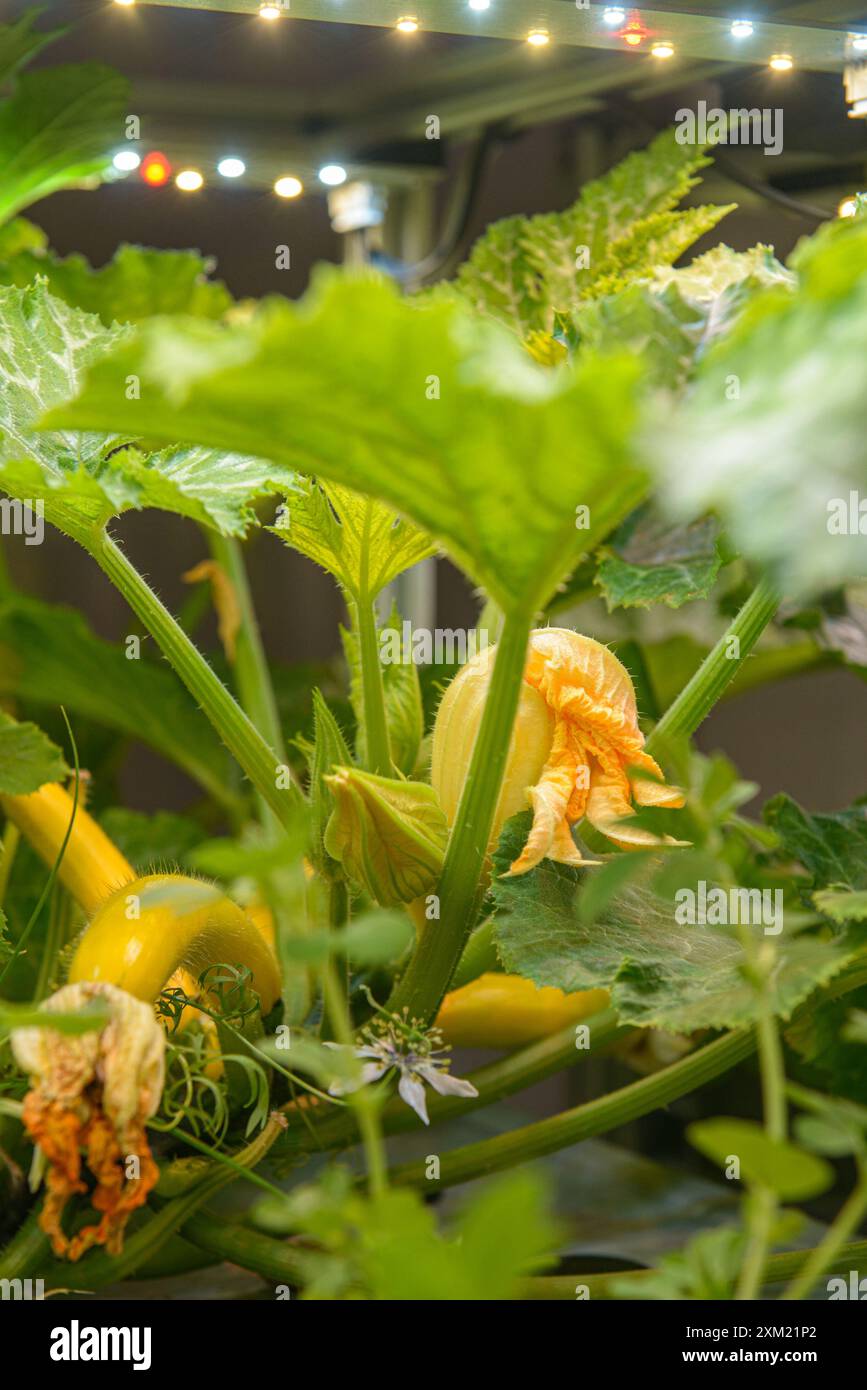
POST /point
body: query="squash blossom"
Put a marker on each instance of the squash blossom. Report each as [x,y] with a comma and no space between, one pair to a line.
[390,836]
[576,748]
[93,1092]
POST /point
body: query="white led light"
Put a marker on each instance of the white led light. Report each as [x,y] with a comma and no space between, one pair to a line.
[742,29]
[480,4]
[189,180]
[662,50]
[124,2]
[408,24]
[782,62]
[538,37]
[270,9]
[288,187]
[332,174]
[231,168]
[126,161]
[612,15]
[848,207]
[859,42]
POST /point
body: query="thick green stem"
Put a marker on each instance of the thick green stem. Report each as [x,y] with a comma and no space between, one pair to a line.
[250,664]
[234,727]
[718,669]
[479,956]
[827,1254]
[596,1117]
[26,1252]
[272,1259]
[601,1286]
[376,741]
[433,963]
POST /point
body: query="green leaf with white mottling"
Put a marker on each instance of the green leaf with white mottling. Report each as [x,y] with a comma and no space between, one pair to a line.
[494,464]
[136,284]
[85,478]
[661,973]
[523,270]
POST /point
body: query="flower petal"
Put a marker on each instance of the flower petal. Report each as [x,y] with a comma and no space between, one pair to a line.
[444,1083]
[412,1092]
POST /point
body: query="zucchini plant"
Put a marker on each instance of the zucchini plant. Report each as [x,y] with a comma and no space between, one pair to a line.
[527,854]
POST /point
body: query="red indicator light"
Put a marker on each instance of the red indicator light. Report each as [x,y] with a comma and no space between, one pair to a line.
[633,32]
[155,169]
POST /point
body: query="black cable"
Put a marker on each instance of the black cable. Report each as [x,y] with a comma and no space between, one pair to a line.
[458,216]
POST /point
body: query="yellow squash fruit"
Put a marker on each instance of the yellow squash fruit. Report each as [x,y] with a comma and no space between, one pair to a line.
[506,1011]
[92,867]
[162,923]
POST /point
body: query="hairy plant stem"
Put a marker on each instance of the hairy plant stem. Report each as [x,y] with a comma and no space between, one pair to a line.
[11,838]
[828,1254]
[250,666]
[235,728]
[584,1121]
[427,977]
[601,1286]
[376,740]
[55,938]
[363,1102]
[718,669]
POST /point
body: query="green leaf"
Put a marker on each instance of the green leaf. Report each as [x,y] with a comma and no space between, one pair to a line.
[672,318]
[87,1019]
[494,466]
[831,1126]
[28,758]
[329,751]
[19,42]
[661,974]
[56,131]
[49,655]
[522,270]
[358,540]
[650,561]
[158,843]
[707,1267]
[84,479]
[771,433]
[842,906]
[375,938]
[792,1174]
[832,847]
[136,284]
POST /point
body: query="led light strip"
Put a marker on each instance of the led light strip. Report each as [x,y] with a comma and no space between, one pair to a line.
[661,34]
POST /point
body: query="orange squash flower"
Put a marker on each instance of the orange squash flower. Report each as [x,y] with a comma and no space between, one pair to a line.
[576,748]
[90,1098]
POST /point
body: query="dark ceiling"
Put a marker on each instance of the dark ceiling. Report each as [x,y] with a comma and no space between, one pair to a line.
[292,95]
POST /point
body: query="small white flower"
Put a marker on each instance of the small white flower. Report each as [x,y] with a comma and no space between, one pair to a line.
[416,1055]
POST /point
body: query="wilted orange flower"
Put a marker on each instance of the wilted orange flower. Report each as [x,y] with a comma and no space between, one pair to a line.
[576,748]
[91,1095]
